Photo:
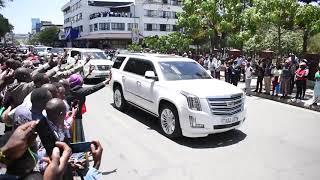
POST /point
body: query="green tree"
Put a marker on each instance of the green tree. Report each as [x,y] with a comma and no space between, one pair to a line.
[5,26]
[48,36]
[135,47]
[2,3]
[34,40]
[314,44]
[280,14]
[308,19]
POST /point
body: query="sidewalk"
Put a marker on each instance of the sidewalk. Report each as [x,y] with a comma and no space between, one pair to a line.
[303,104]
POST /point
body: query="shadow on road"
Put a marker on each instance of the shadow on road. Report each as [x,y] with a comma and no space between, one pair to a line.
[212,141]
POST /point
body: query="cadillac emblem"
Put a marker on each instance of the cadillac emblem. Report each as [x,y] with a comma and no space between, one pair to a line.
[230,103]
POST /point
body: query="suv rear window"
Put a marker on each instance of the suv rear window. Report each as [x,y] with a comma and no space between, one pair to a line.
[118,62]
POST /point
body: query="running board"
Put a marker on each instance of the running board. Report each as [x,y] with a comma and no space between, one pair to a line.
[143,109]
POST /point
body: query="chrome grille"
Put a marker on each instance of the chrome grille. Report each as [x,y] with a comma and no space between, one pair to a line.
[103,67]
[226,106]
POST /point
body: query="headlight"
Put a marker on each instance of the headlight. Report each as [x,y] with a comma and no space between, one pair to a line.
[193,101]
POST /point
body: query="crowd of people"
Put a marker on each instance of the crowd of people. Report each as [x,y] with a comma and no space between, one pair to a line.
[280,78]
[47,92]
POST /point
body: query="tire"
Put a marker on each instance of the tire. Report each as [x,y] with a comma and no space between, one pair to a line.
[167,112]
[119,102]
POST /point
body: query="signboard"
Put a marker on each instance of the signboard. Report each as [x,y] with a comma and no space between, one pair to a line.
[135,35]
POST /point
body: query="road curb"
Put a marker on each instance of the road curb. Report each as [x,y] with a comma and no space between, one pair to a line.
[286,101]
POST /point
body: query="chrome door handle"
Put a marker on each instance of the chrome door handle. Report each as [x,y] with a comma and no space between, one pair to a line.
[123,78]
[138,83]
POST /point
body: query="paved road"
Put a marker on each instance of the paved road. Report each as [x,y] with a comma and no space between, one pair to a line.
[276,142]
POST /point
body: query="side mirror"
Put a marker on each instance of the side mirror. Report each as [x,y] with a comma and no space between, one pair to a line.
[150,75]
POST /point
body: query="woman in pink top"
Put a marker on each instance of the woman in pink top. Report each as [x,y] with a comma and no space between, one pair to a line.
[300,79]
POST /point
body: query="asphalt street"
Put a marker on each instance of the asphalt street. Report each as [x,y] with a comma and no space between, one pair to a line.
[277,141]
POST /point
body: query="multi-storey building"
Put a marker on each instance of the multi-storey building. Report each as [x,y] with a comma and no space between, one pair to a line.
[116,23]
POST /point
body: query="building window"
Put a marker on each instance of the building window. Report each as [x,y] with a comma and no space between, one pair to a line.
[151,13]
[81,28]
[104,26]
[91,27]
[118,26]
[164,27]
[165,1]
[150,27]
[165,14]
[80,16]
[132,26]
[175,15]
[96,27]
[176,2]
[174,27]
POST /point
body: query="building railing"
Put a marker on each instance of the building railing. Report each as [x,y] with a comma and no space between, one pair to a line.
[165,2]
[110,14]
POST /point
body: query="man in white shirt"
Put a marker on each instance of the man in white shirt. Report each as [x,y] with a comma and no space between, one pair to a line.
[217,65]
[248,72]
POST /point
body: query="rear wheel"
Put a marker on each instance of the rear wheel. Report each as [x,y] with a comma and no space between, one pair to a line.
[169,121]
[118,99]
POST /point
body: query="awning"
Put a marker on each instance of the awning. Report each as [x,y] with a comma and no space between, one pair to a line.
[111,3]
[107,36]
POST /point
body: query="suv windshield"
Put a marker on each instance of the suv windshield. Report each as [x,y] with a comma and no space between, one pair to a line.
[183,70]
[94,55]
[40,49]
[57,50]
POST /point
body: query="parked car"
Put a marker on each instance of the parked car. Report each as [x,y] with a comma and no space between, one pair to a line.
[179,91]
[56,51]
[42,51]
[99,63]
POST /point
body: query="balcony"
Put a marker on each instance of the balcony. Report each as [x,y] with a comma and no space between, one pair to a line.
[110,14]
[165,2]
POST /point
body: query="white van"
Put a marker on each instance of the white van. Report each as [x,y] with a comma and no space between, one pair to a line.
[42,51]
[99,63]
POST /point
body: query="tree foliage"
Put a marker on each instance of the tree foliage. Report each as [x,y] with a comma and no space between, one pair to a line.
[48,36]
[314,44]
[2,3]
[251,25]
[176,41]
[135,47]
[5,26]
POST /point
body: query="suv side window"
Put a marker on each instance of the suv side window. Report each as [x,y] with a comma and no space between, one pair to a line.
[145,66]
[138,66]
[131,66]
[118,62]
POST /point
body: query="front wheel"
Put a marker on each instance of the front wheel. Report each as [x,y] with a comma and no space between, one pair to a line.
[169,121]
[118,99]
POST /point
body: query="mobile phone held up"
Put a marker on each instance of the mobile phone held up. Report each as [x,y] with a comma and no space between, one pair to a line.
[47,136]
[80,147]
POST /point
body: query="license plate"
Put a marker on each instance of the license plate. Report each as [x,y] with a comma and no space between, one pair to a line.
[229,120]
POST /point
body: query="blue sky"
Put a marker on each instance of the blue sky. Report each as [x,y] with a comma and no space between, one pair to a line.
[20,12]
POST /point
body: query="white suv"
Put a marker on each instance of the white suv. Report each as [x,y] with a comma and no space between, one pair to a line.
[179,91]
[99,63]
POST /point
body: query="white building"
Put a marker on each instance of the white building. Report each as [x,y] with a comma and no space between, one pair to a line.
[116,23]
